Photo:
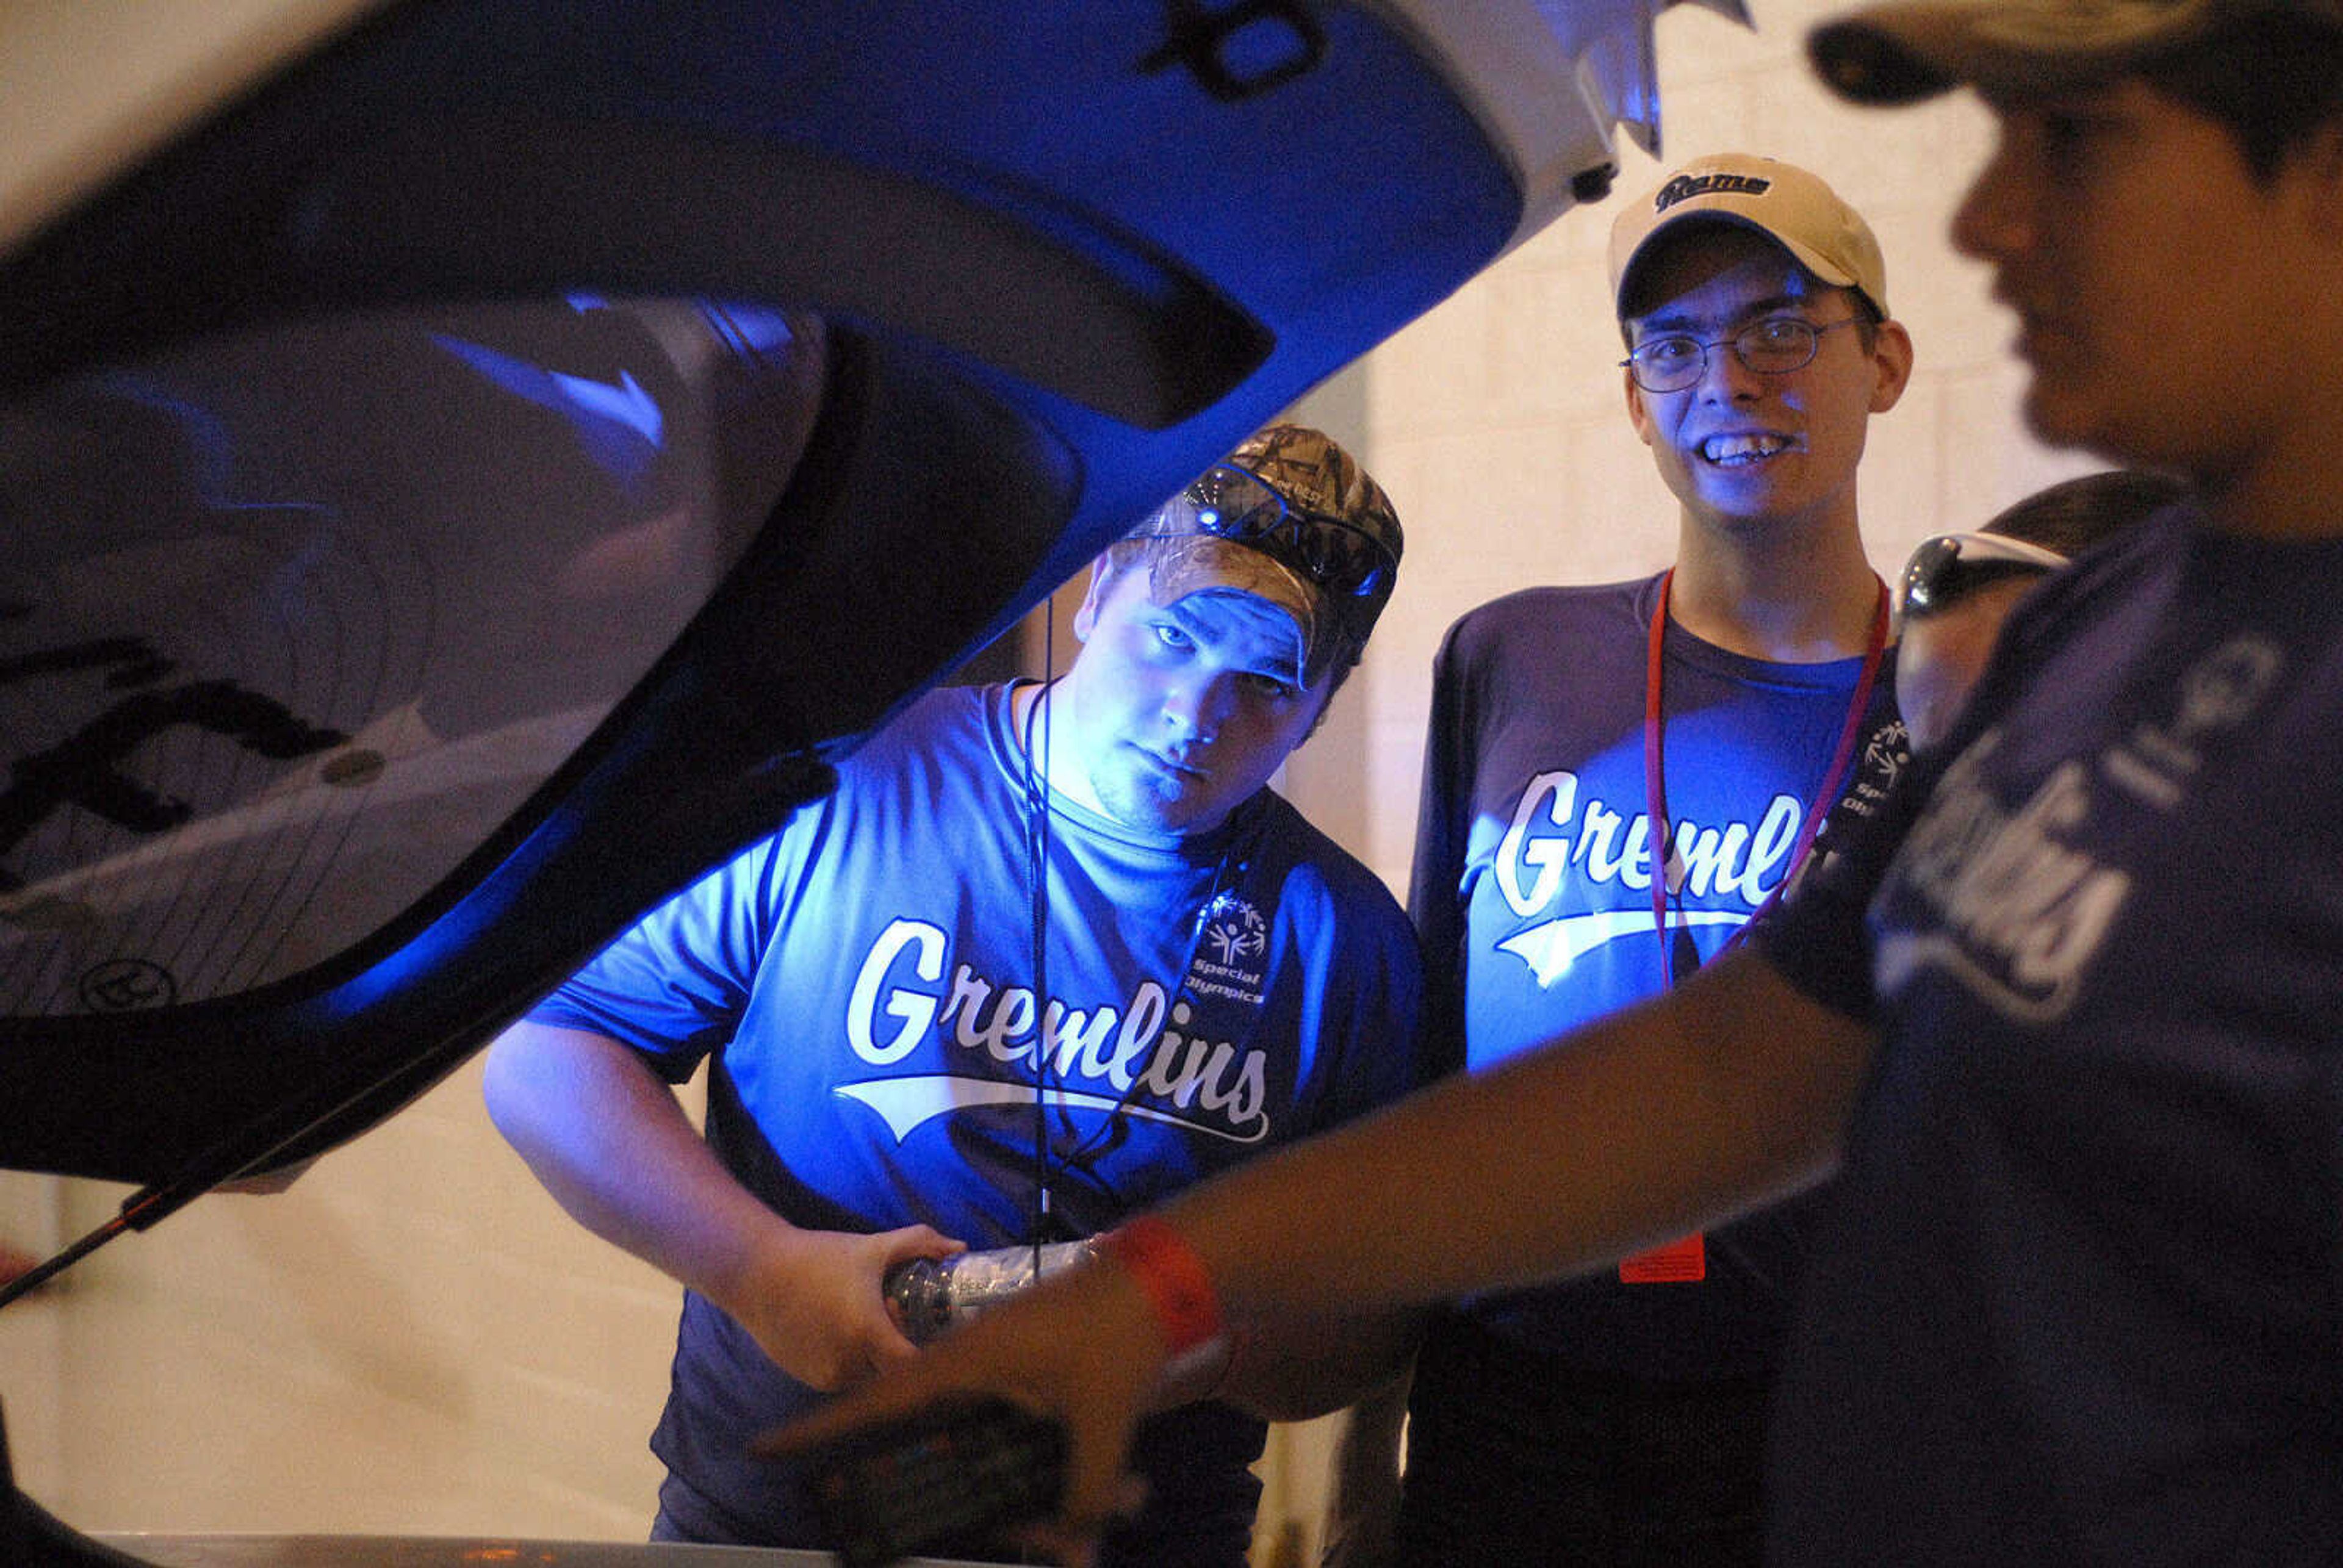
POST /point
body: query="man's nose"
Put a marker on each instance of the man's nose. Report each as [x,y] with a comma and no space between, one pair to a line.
[1195,708]
[1992,220]
[1722,374]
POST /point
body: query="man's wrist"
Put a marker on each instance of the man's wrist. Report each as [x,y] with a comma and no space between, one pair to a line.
[1173,1279]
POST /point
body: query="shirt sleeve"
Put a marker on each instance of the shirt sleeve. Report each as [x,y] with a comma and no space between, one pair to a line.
[1819,936]
[1392,1056]
[674,984]
[1435,891]
[1360,1021]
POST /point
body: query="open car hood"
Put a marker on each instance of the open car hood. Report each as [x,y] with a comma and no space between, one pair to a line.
[478,460]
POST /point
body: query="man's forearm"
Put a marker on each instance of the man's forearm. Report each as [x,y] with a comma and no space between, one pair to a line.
[609,1139]
[1300,1366]
[613,1146]
[1728,1093]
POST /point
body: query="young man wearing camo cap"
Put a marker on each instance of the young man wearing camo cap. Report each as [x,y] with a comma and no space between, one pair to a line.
[893,1074]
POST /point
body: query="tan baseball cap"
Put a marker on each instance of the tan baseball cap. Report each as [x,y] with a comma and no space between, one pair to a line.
[1782,201]
[1325,552]
[1908,50]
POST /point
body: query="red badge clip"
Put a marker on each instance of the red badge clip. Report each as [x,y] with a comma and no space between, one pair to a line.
[1680,1263]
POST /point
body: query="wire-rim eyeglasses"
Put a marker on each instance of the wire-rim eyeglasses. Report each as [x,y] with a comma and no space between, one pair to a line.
[1675,361]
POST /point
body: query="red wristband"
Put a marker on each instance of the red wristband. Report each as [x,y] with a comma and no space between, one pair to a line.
[1180,1290]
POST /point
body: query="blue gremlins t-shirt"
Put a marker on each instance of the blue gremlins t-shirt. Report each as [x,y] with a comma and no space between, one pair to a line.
[864,983]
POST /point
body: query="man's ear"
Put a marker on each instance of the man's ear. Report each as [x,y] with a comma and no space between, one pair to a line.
[1638,414]
[1086,618]
[1891,351]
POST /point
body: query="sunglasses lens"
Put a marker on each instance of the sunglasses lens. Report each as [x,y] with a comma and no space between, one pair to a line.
[1942,571]
[1926,575]
[1233,505]
[1339,557]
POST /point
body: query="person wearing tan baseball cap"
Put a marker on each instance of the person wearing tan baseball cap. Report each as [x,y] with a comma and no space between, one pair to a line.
[1621,1418]
[2082,1331]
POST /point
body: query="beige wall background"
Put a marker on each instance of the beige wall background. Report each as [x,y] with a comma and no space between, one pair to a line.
[414,1339]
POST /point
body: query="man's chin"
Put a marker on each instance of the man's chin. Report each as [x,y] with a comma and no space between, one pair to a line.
[1152,811]
[2048,413]
[2071,423]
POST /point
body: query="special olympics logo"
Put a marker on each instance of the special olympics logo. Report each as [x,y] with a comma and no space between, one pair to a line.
[1885,753]
[1233,929]
[128,985]
[2223,687]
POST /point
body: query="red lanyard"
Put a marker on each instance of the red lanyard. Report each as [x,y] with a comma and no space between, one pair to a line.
[1655,780]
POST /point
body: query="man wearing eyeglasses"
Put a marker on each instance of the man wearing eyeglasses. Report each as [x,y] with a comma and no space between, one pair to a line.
[1723,708]
[1048,954]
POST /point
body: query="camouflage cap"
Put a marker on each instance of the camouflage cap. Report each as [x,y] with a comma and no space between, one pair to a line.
[1907,50]
[1316,475]
[1317,481]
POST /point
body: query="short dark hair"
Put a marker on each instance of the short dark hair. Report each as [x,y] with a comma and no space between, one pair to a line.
[2071,516]
[2274,79]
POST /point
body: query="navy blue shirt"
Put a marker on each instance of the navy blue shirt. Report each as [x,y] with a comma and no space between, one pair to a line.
[2081,1297]
[1532,888]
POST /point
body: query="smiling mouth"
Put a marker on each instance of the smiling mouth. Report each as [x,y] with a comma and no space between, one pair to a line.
[1739,451]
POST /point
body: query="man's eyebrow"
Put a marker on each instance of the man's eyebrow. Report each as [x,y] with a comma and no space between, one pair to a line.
[1666,322]
[1214,635]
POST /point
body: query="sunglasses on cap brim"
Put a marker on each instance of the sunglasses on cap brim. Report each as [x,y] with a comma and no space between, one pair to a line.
[1947,566]
[1226,502]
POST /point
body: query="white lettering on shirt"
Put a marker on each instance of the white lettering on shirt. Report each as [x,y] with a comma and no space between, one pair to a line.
[1735,858]
[897,1001]
[2023,912]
